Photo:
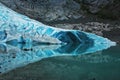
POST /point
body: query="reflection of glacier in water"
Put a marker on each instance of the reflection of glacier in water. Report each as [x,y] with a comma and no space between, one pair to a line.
[17,55]
[102,65]
[23,41]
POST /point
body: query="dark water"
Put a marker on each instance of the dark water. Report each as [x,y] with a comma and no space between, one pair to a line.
[100,65]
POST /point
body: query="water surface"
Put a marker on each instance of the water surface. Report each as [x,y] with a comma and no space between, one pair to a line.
[100,65]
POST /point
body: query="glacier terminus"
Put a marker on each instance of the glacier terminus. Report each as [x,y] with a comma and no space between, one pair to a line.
[27,39]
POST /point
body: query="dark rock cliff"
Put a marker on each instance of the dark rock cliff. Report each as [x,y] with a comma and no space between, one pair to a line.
[103,8]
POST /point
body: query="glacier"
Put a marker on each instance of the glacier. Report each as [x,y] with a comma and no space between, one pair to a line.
[24,40]
[14,26]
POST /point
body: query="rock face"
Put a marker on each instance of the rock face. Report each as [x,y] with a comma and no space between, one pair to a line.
[54,10]
[103,8]
[46,10]
[94,5]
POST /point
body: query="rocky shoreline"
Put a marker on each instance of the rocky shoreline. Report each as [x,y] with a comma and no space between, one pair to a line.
[105,28]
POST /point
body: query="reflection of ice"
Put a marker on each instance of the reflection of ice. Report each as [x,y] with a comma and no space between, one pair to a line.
[20,55]
[17,55]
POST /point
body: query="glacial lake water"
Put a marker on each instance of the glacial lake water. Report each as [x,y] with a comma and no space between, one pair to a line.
[99,65]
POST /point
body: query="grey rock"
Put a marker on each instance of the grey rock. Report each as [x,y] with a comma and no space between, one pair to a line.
[46,10]
[104,8]
[94,5]
[54,10]
[93,27]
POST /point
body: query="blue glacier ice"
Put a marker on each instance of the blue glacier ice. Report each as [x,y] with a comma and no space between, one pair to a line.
[14,26]
[24,40]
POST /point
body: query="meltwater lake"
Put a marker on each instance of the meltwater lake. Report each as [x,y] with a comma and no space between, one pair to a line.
[53,62]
